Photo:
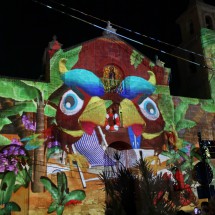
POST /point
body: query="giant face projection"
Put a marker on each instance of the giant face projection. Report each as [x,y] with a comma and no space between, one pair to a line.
[82,108]
[140,113]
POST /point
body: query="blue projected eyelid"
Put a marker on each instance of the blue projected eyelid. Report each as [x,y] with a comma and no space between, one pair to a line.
[149,109]
[71,103]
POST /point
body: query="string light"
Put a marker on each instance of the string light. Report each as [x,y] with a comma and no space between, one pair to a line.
[122,36]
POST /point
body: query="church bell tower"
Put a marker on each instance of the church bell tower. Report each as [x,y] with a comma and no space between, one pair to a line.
[192,73]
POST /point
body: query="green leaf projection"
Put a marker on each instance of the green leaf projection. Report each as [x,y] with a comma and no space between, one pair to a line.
[55,79]
[17,90]
[23,178]
[49,111]
[166,106]
[208,44]
[60,193]
[136,59]
[18,109]
[42,87]
[4,140]
[4,121]
[51,151]
[208,106]
[33,141]
[6,187]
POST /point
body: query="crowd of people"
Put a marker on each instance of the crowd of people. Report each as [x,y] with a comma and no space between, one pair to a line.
[206,208]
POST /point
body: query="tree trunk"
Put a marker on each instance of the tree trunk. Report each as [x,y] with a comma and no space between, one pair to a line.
[39,154]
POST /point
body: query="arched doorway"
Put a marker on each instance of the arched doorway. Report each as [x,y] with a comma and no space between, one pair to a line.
[120,145]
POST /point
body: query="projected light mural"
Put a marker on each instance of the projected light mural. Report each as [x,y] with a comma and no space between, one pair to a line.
[105,108]
[208,44]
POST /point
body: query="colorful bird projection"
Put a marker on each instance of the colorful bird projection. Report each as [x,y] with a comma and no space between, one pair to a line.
[81,108]
[140,112]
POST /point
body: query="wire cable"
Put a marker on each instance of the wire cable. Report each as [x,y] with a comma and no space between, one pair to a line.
[132,31]
[125,37]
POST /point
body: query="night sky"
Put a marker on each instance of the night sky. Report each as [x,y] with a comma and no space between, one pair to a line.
[27,27]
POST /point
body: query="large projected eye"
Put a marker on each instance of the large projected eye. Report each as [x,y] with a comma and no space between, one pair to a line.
[71,103]
[149,109]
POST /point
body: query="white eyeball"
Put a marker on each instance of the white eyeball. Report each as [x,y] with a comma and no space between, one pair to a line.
[71,103]
[149,109]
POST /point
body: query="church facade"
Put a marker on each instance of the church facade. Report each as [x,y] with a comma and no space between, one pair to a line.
[104,97]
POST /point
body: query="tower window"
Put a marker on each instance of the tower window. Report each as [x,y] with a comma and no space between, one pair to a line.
[208,22]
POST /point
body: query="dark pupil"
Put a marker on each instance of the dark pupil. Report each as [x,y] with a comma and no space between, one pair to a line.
[149,107]
[69,101]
